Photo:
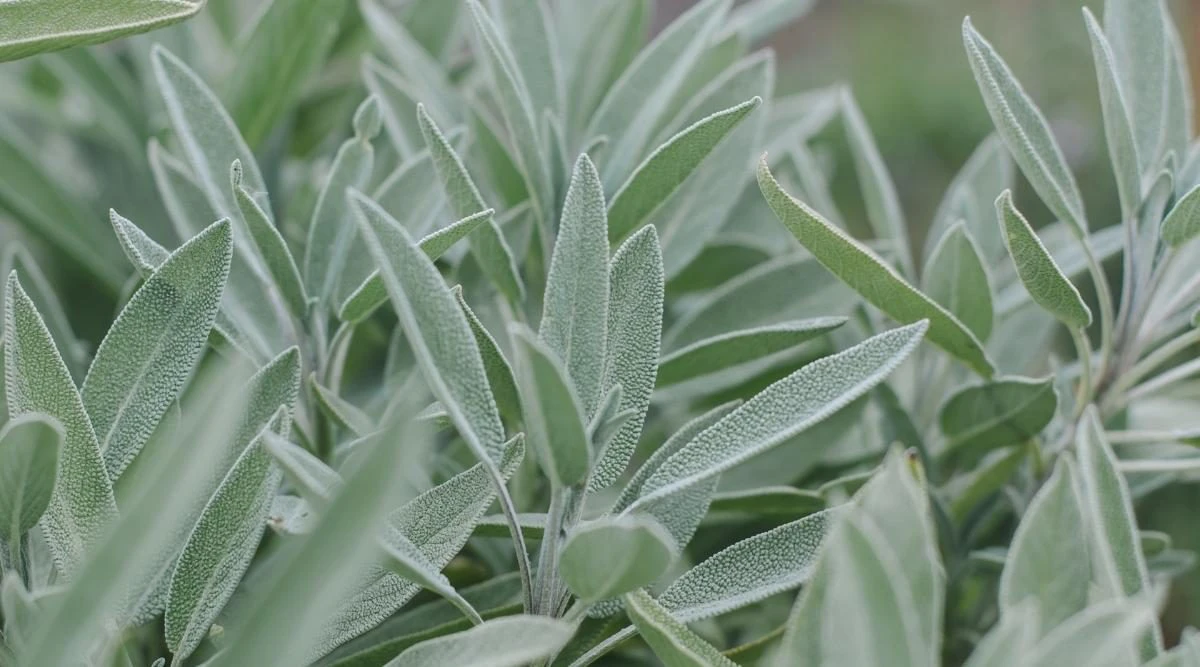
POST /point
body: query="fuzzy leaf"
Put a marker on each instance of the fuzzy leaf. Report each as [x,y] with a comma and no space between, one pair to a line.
[28,27]
[611,556]
[672,641]
[998,413]
[37,380]
[1118,128]
[29,452]
[877,282]
[727,350]
[1037,270]
[1140,36]
[503,642]
[315,481]
[270,244]
[1182,224]
[1104,634]
[529,32]
[956,278]
[340,411]
[1025,131]
[409,562]
[1008,643]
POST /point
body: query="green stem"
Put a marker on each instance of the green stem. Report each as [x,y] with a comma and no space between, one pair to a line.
[1156,359]
[545,601]
[514,528]
[1159,381]
[1083,393]
[1104,296]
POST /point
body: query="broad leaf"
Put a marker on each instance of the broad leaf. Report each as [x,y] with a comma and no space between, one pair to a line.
[29,452]
[1141,40]
[672,641]
[1182,224]
[1104,634]
[28,27]
[955,276]
[1005,411]
[611,556]
[504,642]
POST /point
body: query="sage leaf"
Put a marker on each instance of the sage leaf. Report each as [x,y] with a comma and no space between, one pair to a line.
[635,315]
[270,244]
[503,642]
[756,20]
[1182,224]
[1118,128]
[554,415]
[529,33]
[863,271]
[998,413]
[574,321]
[671,641]
[597,46]
[316,482]
[407,560]
[37,381]
[739,347]
[1104,633]
[955,276]
[28,27]
[495,365]
[611,556]
[1048,560]
[75,354]
[1025,131]
[970,198]
[220,547]
[1139,33]
[1009,642]
[29,452]
[1037,270]
[768,501]
[340,411]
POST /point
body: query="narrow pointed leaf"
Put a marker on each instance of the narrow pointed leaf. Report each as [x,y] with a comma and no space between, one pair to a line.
[971,195]
[42,292]
[340,411]
[956,278]
[614,555]
[553,413]
[727,350]
[409,562]
[29,452]
[495,365]
[315,481]
[1118,128]
[1139,33]
[270,244]
[429,81]
[672,641]
[512,641]
[529,33]
[28,27]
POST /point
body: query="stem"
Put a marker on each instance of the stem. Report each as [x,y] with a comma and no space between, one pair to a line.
[15,557]
[339,347]
[1104,296]
[1147,437]
[1156,359]
[545,601]
[1083,393]
[1129,263]
[510,517]
[1158,382]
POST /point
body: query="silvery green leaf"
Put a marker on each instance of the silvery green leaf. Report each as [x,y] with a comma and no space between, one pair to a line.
[785,502]
[1010,641]
[689,103]
[411,193]
[511,641]
[329,237]
[664,170]
[1104,634]
[783,409]
[42,292]
[611,556]
[29,451]
[739,347]
[495,365]
[635,314]
[428,79]
[408,561]
[488,245]
[998,413]
[1037,270]
[1139,33]
[1182,224]
[433,24]
[438,522]
[396,99]
[1025,131]
[866,273]
[277,56]
[186,203]
[634,105]
[879,192]
[672,641]
[340,411]
[955,276]
[1048,559]
[529,33]
[270,244]
[1067,253]
[312,478]
[1180,105]
[554,416]
[970,198]
[435,327]
[1118,128]
[598,42]
[149,352]
[756,20]
[28,27]
[1119,567]
[574,321]
[221,546]
[20,610]
[37,380]
[372,293]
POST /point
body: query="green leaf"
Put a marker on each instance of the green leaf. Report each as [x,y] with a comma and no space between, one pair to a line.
[315,481]
[222,544]
[75,353]
[1119,568]
[1025,131]
[598,42]
[29,451]
[270,245]
[574,321]
[768,501]
[37,380]
[511,641]
[409,562]
[757,20]
[868,275]
[1009,642]
[488,245]
[1048,559]
[435,327]
[783,410]
[148,355]
[1037,270]
[343,413]
[1002,412]
[1182,224]
[1140,36]
[554,416]
[397,99]
[727,350]
[499,372]
[879,192]
[529,34]
[277,58]
[635,314]
[28,27]
[672,641]
[611,556]
[1103,634]
[1118,128]
[955,276]
[660,174]
[970,198]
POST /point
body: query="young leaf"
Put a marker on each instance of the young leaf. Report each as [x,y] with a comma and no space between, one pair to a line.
[784,409]
[1140,36]
[530,35]
[37,380]
[574,321]
[611,556]
[1118,129]
[28,27]
[409,562]
[1182,224]
[1010,641]
[315,481]
[1046,283]
[998,413]
[956,278]
[727,350]
[660,174]
[29,451]
[863,271]
[499,372]
[148,354]
[635,314]
[343,413]
[1048,560]
[1104,633]
[1025,131]
[503,642]
[554,415]
[270,244]
[221,546]
[672,641]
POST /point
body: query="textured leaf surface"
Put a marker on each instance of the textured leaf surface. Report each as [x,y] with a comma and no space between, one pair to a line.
[611,556]
[503,642]
[1118,130]
[727,350]
[672,641]
[29,451]
[877,282]
[956,278]
[35,26]
[998,413]
[1182,224]
[271,246]
[37,380]
[495,365]
[1104,634]
[407,560]
[1139,33]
